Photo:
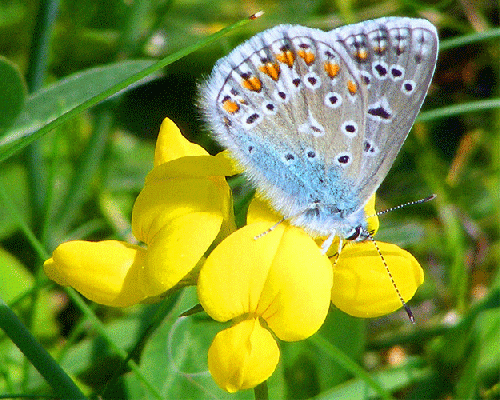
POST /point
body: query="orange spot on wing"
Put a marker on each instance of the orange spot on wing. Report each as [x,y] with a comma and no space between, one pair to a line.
[253,83]
[307,56]
[332,69]
[230,106]
[271,69]
[286,57]
[362,55]
[351,86]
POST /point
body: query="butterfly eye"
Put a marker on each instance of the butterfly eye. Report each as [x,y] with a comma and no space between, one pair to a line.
[355,233]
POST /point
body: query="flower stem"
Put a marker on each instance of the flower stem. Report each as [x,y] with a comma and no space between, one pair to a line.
[261,392]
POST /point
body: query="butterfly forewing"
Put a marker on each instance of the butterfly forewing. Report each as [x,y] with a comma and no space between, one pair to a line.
[290,105]
[396,58]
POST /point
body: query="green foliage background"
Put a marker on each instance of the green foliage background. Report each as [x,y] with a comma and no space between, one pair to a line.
[72,165]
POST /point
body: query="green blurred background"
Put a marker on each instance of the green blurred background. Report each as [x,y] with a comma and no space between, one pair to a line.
[80,181]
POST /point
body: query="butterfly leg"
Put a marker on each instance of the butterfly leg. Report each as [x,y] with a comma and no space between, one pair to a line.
[327,243]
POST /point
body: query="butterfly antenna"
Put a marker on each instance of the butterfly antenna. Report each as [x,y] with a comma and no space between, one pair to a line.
[406,306]
[272,228]
[411,203]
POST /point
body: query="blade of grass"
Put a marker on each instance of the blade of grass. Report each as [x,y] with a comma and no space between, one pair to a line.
[92,156]
[37,70]
[24,141]
[100,329]
[167,310]
[344,360]
[473,106]
[88,165]
[469,39]
[60,382]
[21,223]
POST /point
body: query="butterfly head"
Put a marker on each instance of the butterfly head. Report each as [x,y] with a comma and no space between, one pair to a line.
[325,220]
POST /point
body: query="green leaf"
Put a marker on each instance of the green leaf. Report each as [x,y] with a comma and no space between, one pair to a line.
[13,90]
[20,137]
[311,369]
[15,277]
[175,357]
[392,380]
[482,365]
[52,102]
[13,176]
[16,280]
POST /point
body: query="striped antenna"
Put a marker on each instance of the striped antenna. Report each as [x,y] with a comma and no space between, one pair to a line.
[411,203]
[403,302]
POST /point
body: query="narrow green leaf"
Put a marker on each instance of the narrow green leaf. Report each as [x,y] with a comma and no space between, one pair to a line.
[13,176]
[13,90]
[457,109]
[469,39]
[18,139]
[60,382]
[346,362]
[52,102]
[392,380]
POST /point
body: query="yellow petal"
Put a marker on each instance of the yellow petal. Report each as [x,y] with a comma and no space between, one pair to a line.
[281,276]
[236,168]
[162,201]
[361,285]
[171,145]
[296,296]
[177,248]
[372,219]
[243,356]
[107,272]
[194,167]
[259,210]
[233,276]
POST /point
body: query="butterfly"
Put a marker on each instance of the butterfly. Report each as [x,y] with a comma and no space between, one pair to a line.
[317,118]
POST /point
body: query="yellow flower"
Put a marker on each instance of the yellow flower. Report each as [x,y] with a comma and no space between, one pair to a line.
[184,207]
[280,282]
[278,285]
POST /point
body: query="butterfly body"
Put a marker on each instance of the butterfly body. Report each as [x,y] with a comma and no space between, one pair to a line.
[317,118]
